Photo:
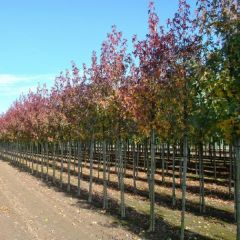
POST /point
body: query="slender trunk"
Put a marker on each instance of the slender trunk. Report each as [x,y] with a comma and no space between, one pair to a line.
[184,176]
[173,178]
[214,161]
[224,153]
[79,151]
[32,156]
[237,184]
[126,155]
[109,166]
[121,173]
[147,163]
[37,159]
[61,171]
[91,170]
[47,155]
[74,154]
[18,154]
[152,183]
[201,178]
[230,170]
[210,151]
[134,167]
[116,159]
[144,146]
[219,150]
[163,163]
[42,158]
[138,153]
[68,166]
[117,162]
[234,183]
[105,200]
[180,162]
[168,156]
[54,162]
[196,162]
[108,161]
[26,155]
[99,161]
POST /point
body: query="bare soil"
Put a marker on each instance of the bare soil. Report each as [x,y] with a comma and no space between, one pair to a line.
[31,209]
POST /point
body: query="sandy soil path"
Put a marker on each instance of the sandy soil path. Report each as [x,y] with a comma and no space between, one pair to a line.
[30,210]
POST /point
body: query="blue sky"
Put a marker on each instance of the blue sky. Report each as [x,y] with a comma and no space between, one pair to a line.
[39,38]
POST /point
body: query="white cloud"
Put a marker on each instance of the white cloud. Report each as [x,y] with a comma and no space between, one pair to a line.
[9,91]
[12,86]
[11,79]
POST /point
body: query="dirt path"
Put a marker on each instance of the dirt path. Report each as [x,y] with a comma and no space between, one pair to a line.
[30,210]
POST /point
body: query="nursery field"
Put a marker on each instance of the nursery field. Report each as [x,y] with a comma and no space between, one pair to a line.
[58,171]
[142,142]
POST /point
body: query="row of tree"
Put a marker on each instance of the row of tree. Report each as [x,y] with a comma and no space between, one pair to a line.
[126,166]
[179,84]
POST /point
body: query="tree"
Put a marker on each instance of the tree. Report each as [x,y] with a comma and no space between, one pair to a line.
[219,22]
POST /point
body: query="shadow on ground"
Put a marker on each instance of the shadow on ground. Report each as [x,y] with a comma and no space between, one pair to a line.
[134,221]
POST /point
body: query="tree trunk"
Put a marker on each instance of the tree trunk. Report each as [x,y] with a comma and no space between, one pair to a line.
[61,171]
[214,161]
[36,159]
[54,161]
[42,158]
[138,153]
[105,200]
[74,154]
[184,176]
[47,155]
[237,184]
[117,162]
[121,173]
[79,153]
[108,163]
[173,179]
[163,163]
[201,178]
[99,161]
[32,156]
[91,170]
[134,166]
[168,156]
[68,166]
[230,170]
[147,163]
[152,183]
